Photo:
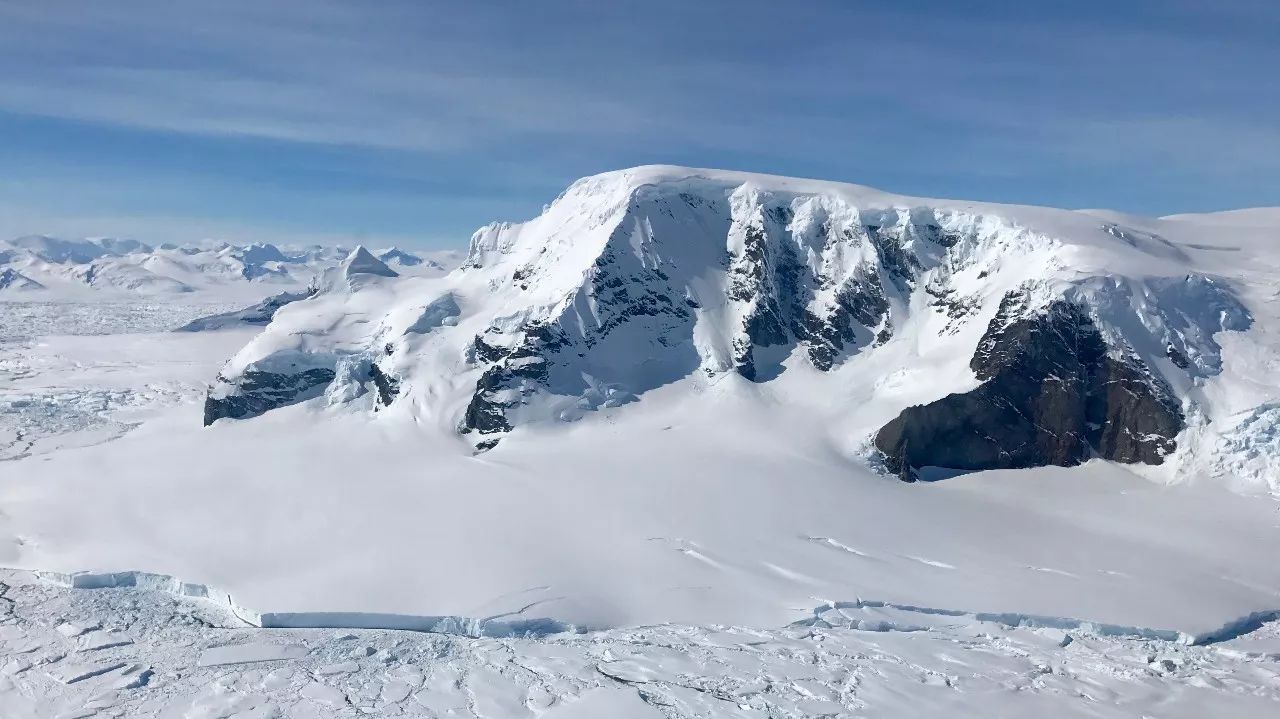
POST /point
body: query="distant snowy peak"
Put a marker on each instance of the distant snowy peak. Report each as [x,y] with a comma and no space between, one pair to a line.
[52,249]
[258,254]
[397,256]
[362,262]
[1055,335]
[133,268]
[14,281]
[359,268]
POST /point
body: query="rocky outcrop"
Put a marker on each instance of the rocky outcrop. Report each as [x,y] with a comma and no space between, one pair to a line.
[257,391]
[388,386]
[859,306]
[511,376]
[278,382]
[755,275]
[1053,393]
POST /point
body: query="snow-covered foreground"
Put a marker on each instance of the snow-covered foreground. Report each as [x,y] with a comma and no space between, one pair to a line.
[308,518]
[638,530]
[145,653]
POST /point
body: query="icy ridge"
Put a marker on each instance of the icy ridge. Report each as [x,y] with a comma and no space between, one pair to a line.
[827,615]
[492,627]
[832,614]
[39,266]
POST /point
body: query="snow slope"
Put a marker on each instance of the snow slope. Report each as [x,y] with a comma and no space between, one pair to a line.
[707,458]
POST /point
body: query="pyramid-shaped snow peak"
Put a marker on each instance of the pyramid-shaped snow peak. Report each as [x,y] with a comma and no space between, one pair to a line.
[919,330]
[362,262]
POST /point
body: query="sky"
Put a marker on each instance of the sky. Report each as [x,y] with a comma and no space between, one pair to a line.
[414,122]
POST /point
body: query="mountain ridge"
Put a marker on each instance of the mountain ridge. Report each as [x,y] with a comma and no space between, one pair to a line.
[61,268]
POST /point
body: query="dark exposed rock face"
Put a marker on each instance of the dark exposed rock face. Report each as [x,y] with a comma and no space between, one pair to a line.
[1052,394]
[899,264]
[387,385]
[508,379]
[623,294]
[753,276]
[778,288]
[860,303]
[258,392]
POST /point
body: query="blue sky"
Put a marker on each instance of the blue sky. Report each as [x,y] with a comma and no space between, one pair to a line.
[415,122]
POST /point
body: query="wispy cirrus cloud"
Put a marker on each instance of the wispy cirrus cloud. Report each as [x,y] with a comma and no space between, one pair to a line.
[1028,102]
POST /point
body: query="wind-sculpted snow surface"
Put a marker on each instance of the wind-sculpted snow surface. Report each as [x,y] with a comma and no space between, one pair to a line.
[1057,336]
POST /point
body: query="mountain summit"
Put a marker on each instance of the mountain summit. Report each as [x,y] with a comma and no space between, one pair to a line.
[362,262]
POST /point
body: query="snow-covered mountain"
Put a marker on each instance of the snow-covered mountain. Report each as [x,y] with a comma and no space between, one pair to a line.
[397,256]
[91,267]
[925,333]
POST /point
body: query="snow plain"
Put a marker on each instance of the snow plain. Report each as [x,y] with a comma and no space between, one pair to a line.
[710,550]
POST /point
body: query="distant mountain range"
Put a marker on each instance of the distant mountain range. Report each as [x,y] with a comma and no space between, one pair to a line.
[37,266]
